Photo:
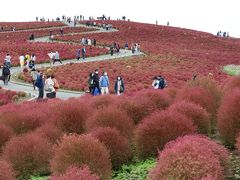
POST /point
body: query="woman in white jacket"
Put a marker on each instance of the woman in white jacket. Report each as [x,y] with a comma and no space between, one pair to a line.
[49,88]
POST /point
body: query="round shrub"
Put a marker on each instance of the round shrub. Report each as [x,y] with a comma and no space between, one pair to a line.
[70,116]
[28,154]
[117,145]
[75,173]
[111,117]
[238,143]
[99,102]
[189,158]
[199,96]
[158,129]
[6,171]
[81,150]
[196,113]
[5,135]
[232,83]
[50,132]
[144,103]
[228,121]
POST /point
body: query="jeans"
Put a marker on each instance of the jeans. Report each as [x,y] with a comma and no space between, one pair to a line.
[40,94]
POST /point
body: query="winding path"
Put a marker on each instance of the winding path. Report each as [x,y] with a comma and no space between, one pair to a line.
[63,94]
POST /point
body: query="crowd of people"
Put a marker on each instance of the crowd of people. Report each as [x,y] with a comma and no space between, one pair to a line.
[100,86]
[222,34]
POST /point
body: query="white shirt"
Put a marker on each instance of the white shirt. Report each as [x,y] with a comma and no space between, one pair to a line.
[49,85]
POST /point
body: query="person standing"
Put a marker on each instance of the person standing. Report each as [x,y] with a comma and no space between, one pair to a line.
[111,50]
[126,47]
[57,57]
[96,88]
[34,75]
[119,86]
[61,31]
[78,54]
[27,59]
[94,42]
[155,83]
[49,87]
[104,83]
[40,85]
[56,84]
[6,73]
[8,61]
[33,60]
[21,59]
[83,52]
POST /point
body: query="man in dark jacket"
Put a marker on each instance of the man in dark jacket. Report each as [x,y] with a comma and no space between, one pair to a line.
[6,74]
[40,85]
[96,82]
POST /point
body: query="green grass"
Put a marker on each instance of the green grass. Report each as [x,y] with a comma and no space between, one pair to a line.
[40,178]
[232,70]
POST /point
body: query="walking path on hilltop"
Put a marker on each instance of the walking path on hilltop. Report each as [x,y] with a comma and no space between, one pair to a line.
[64,94]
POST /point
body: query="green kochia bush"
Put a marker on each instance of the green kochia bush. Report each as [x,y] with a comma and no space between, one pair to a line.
[29,155]
[191,157]
[79,151]
[158,129]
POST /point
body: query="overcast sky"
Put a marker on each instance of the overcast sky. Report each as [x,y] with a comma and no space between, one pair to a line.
[204,15]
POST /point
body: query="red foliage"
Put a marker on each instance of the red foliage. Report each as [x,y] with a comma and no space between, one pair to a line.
[196,113]
[229,117]
[50,132]
[5,135]
[6,171]
[144,103]
[232,83]
[74,173]
[199,96]
[190,157]
[158,129]
[6,96]
[118,145]
[81,150]
[28,154]
[98,102]
[7,26]
[71,115]
[111,117]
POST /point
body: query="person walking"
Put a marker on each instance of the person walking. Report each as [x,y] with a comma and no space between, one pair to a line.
[34,75]
[119,86]
[6,73]
[126,47]
[90,83]
[27,59]
[78,54]
[96,88]
[57,57]
[51,58]
[40,85]
[33,60]
[111,50]
[104,83]
[83,52]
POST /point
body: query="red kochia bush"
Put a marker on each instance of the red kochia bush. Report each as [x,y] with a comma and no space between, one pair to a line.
[158,129]
[70,116]
[111,117]
[28,154]
[6,171]
[98,102]
[50,132]
[5,135]
[229,117]
[74,173]
[118,145]
[232,83]
[238,143]
[144,103]
[190,157]
[81,150]
[198,95]
[196,113]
